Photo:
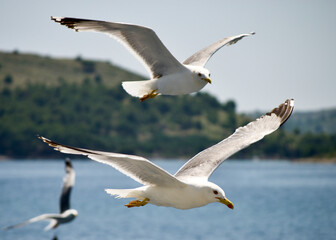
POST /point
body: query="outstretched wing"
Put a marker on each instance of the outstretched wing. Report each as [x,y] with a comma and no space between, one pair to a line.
[68,183]
[137,168]
[140,40]
[43,217]
[204,163]
[201,58]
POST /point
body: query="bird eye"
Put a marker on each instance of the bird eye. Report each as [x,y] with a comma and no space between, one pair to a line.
[215,192]
[199,74]
[209,74]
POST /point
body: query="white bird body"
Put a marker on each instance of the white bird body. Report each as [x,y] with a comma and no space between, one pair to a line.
[169,84]
[172,84]
[168,75]
[192,195]
[189,186]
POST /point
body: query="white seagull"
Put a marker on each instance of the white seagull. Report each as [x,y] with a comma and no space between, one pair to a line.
[66,214]
[189,187]
[168,75]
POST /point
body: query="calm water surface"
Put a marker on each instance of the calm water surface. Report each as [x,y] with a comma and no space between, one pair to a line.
[273,200]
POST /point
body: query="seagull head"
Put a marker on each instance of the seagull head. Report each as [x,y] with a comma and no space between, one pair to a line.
[200,73]
[204,75]
[74,212]
[217,194]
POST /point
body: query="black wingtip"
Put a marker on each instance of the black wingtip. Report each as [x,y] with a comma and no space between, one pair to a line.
[48,141]
[69,22]
[284,110]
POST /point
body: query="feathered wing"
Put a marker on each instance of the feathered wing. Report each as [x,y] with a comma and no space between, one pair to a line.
[43,217]
[68,183]
[142,41]
[137,168]
[204,163]
[201,57]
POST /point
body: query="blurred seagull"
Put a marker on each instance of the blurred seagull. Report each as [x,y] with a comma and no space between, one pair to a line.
[168,75]
[189,187]
[66,214]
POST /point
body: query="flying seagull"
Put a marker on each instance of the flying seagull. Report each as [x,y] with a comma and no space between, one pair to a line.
[189,187]
[66,214]
[168,75]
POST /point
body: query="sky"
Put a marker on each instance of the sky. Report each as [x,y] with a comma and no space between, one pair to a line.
[292,54]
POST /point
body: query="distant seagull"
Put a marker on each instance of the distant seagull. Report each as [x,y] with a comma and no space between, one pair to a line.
[189,187]
[168,75]
[66,214]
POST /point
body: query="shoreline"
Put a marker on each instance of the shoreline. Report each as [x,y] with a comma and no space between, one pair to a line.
[296,160]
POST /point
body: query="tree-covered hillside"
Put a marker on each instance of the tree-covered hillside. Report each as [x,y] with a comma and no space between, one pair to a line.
[80,103]
[91,115]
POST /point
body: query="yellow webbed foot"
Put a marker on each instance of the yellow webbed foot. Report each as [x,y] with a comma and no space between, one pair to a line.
[153,94]
[137,203]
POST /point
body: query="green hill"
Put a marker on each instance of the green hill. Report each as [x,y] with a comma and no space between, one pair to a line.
[22,69]
[81,103]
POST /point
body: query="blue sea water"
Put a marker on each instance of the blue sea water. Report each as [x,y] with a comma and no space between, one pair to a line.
[273,200]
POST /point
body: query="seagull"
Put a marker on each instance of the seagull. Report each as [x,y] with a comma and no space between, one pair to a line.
[189,187]
[66,214]
[168,75]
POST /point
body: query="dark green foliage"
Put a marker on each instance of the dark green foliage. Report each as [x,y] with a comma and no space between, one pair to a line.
[91,115]
[230,106]
[81,103]
[88,66]
[8,79]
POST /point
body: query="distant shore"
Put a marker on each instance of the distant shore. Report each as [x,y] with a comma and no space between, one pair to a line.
[298,160]
[316,160]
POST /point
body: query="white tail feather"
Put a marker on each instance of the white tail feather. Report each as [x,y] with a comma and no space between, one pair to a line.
[140,88]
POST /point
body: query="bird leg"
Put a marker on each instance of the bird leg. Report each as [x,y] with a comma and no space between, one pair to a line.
[152,94]
[137,203]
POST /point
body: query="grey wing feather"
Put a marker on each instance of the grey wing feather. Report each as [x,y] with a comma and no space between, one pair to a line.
[201,57]
[204,163]
[137,168]
[141,40]
[68,183]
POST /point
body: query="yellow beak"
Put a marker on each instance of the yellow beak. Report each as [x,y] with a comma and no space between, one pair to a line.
[207,80]
[227,202]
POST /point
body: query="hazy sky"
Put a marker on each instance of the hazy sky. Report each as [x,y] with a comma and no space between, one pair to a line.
[292,55]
